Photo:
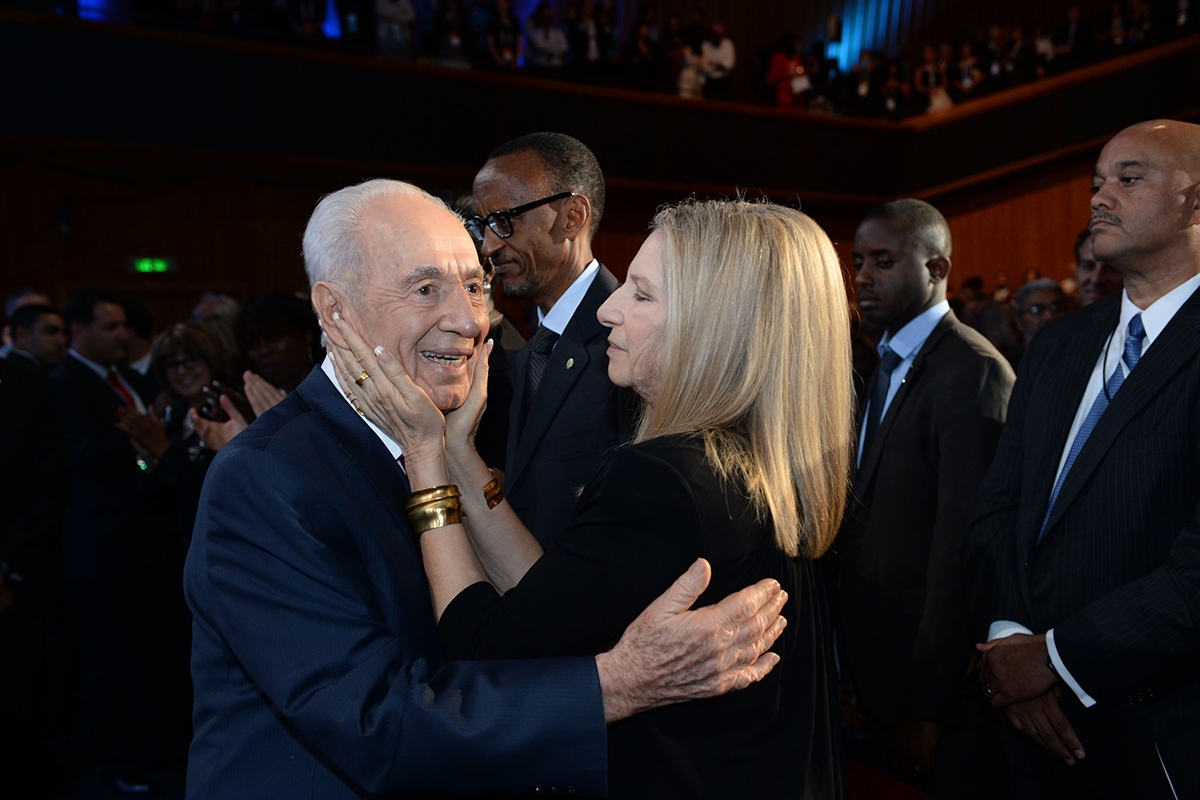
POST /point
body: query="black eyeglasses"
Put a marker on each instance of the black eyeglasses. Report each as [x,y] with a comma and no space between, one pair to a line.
[501,222]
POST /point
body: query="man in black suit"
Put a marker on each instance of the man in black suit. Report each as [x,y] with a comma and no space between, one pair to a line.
[540,199]
[1088,518]
[117,554]
[39,337]
[931,419]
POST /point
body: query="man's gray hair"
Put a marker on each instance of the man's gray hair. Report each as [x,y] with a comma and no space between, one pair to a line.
[1035,285]
[332,246]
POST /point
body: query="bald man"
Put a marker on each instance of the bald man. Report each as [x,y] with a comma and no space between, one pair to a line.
[932,415]
[1088,519]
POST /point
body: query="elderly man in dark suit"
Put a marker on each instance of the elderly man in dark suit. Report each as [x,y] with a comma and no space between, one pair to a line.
[540,199]
[931,419]
[1088,540]
[316,665]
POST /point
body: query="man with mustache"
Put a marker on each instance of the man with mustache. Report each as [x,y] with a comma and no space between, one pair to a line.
[1088,518]
[932,415]
[540,199]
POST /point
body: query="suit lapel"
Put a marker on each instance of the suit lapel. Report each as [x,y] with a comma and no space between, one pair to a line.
[1175,346]
[871,459]
[370,457]
[567,364]
[105,400]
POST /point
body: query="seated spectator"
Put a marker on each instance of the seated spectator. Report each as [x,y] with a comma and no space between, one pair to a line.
[449,35]
[394,28]
[998,325]
[930,84]
[642,58]
[1020,62]
[691,76]
[896,93]
[1043,50]
[39,337]
[1036,303]
[1094,279]
[218,311]
[278,332]
[718,58]
[187,358]
[21,297]
[584,35]
[141,330]
[1074,40]
[786,74]
[967,76]
[546,45]
[504,37]
[866,78]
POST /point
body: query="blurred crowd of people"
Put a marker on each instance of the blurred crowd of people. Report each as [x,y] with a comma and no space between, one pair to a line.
[1008,56]
[102,474]
[585,41]
[1009,318]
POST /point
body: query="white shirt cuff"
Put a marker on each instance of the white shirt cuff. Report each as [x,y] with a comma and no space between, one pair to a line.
[1061,669]
[1003,628]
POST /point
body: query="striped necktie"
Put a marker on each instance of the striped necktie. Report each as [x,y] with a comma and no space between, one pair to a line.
[1136,332]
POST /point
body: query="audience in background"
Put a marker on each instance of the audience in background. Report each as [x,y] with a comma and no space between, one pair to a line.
[21,297]
[1036,303]
[100,477]
[1095,279]
[39,337]
[601,42]
[278,333]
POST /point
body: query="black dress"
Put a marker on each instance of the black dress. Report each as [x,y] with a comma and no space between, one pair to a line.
[651,510]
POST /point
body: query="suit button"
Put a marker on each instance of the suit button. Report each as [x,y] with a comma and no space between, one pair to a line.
[571,790]
[1027,566]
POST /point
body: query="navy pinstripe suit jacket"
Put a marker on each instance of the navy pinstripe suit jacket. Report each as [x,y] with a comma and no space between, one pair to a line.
[1117,575]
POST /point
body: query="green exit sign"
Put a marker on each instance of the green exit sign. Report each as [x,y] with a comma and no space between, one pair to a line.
[147,266]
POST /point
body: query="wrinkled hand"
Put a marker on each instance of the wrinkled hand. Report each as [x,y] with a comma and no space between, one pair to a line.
[261,394]
[389,397]
[216,435]
[913,749]
[147,434]
[1043,720]
[463,422]
[670,654]
[1013,669]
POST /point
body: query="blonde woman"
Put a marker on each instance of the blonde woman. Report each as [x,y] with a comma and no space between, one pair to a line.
[732,326]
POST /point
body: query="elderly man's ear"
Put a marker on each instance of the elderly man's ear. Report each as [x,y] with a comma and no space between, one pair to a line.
[576,215]
[328,298]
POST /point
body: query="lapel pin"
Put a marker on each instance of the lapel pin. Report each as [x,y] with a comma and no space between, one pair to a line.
[570,363]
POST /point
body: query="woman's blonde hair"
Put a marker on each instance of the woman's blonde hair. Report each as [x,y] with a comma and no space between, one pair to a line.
[757,359]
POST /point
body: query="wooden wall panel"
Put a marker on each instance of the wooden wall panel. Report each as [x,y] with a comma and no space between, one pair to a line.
[1036,228]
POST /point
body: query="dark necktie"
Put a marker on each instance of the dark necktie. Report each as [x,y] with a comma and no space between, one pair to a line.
[114,381]
[883,381]
[1133,351]
[540,347]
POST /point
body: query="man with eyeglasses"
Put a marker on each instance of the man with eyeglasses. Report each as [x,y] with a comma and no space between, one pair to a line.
[1036,303]
[539,200]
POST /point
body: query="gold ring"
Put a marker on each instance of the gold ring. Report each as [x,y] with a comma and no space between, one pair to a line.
[361,379]
[357,408]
